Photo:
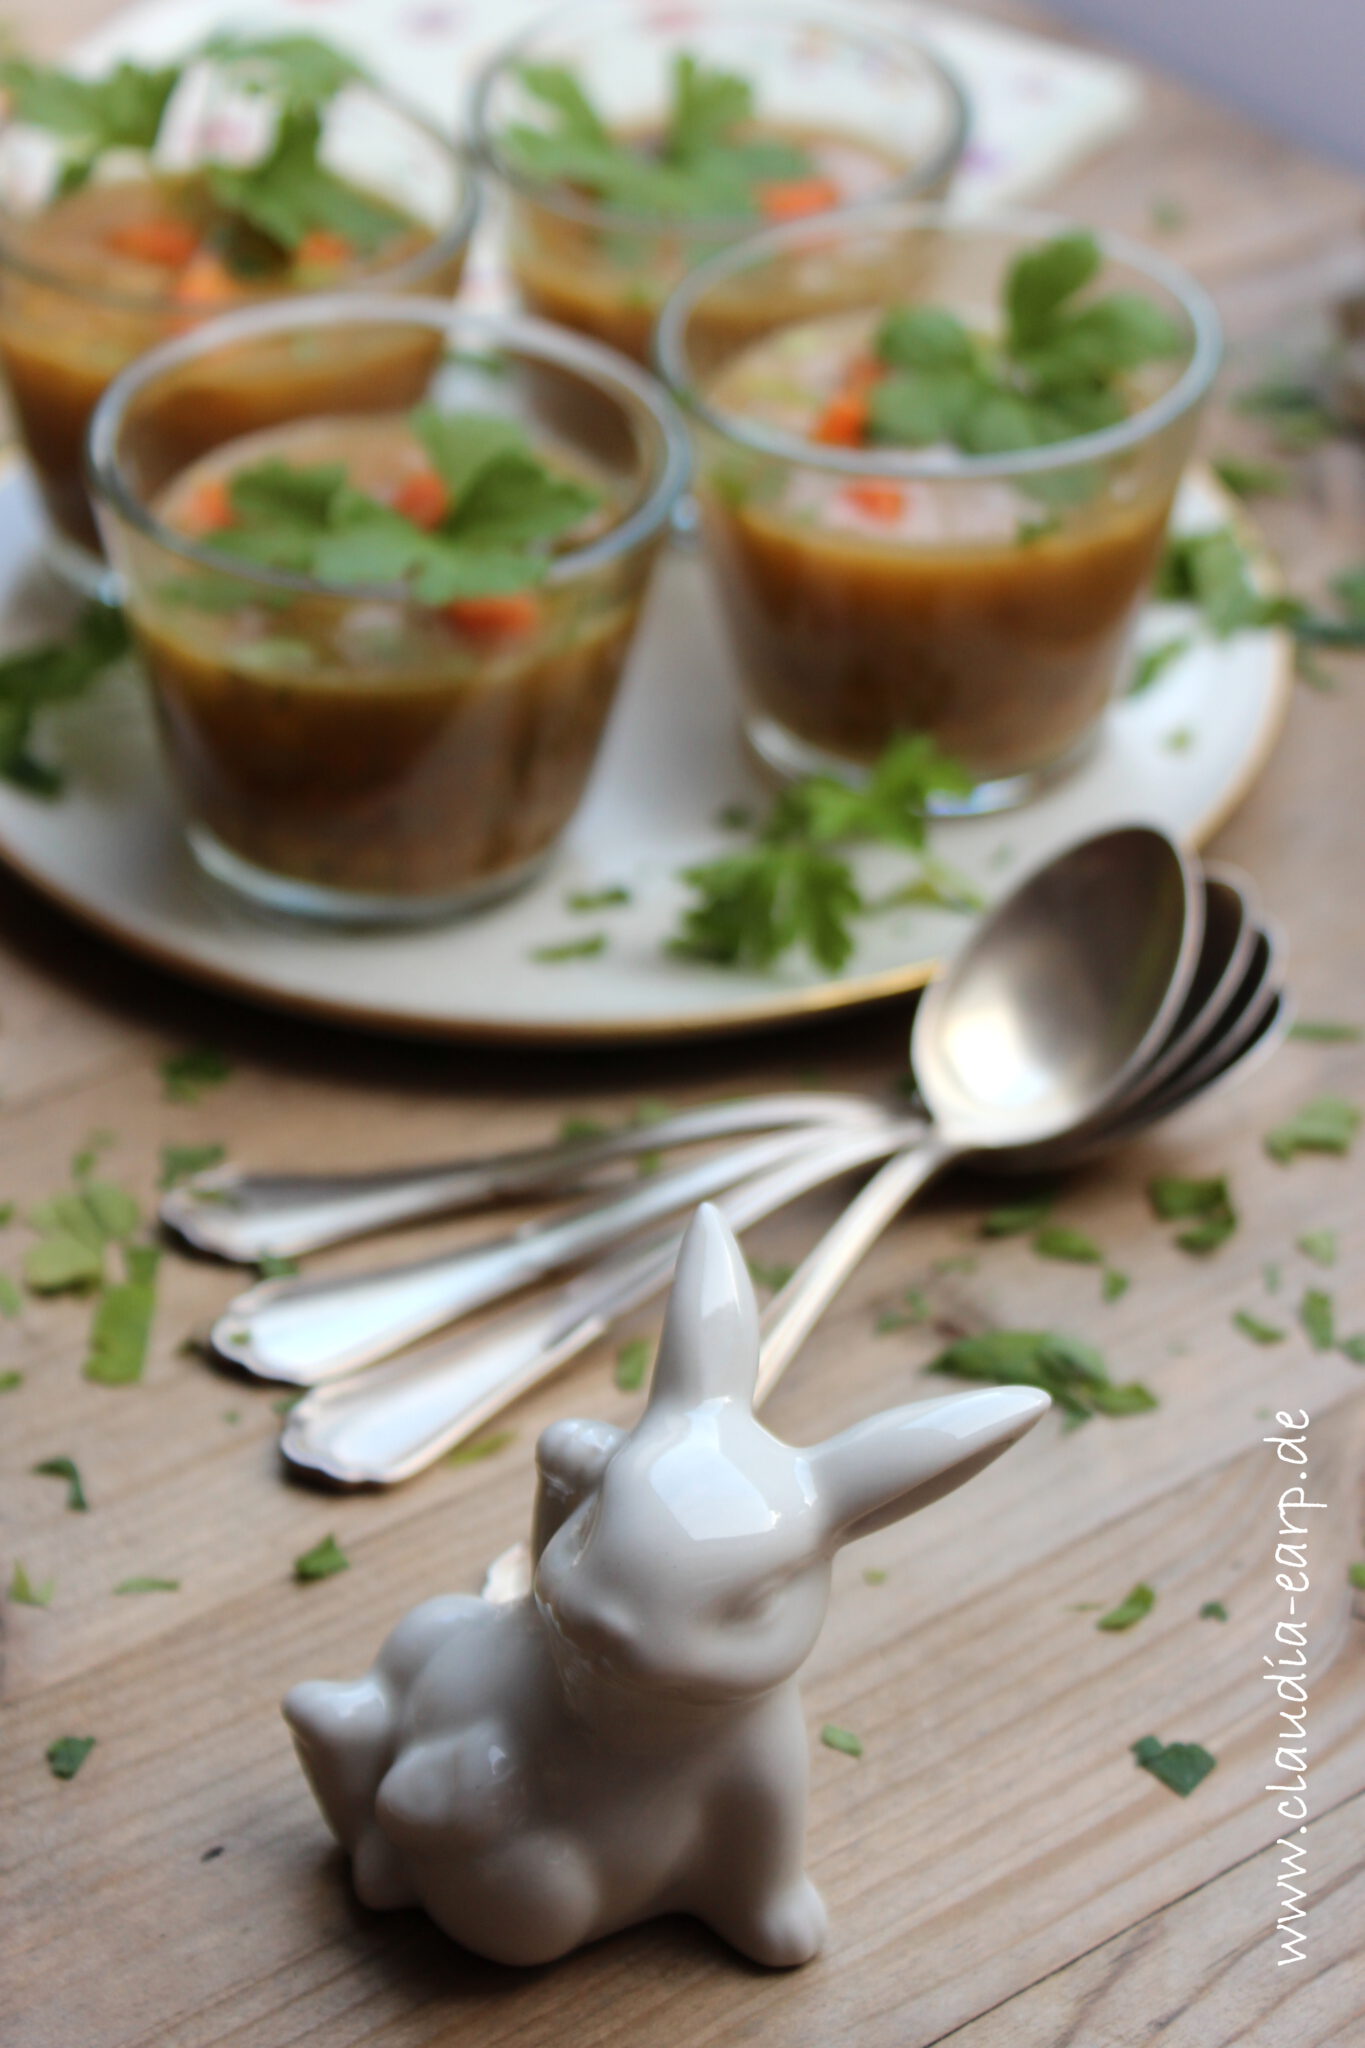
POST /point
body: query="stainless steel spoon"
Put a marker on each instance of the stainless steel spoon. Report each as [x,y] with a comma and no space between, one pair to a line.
[244,1216]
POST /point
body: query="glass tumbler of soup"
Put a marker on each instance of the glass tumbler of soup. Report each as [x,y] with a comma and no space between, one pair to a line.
[247,172]
[631,140]
[935,479]
[383,635]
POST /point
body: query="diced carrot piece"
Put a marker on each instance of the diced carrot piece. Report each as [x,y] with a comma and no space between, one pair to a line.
[209,508]
[422,498]
[206,281]
[162,240]
[875,500]
[843,424]
[322,249]
[490,619]
[794,198]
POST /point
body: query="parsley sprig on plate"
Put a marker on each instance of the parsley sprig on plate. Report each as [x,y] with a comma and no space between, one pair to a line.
[704,162]
[503,508]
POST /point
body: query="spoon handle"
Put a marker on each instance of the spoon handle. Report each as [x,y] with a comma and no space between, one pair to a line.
[792,1313]
[379,1427]
[242,1216]
[307,1331]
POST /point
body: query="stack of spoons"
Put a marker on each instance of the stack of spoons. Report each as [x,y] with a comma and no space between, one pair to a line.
[1112,987]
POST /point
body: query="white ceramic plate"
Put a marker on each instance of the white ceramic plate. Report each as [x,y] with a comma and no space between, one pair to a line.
[1183,755]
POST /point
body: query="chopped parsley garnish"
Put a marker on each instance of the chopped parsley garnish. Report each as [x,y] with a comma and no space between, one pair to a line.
[1319,1245]
[770,1274]
[582,1130]
[1017,1217]
[1292,409]
[1179,1765]
[1355,1574]
[11,1301]
[1318,1318]
[181,1162]
[1056,373]
[1213,1610]
[1072,1372]
[147,1586]
[1129,1611]
[1114,1285]
[323,1561]
[913,1315]
[1252,479]
[1323,1031]
[1153,664]
[30,1592]
[559,950]
[842,1739]
[1327,1124]
[633,1361]
[185,1075]
[1205,1204]
[706,160]
[66,1755]
[54,672]
[793,887]
[122,1326]
[1260,1332]
[480,1447]
[277,1266]
[873,1575]
[612,898]
[487,533]
[1060,1241]
[65,1468]
[9,1380]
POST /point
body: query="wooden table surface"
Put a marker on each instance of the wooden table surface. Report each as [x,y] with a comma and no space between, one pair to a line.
[999,1872]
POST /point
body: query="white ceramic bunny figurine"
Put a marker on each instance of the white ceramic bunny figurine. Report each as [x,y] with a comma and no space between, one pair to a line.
[628,1740]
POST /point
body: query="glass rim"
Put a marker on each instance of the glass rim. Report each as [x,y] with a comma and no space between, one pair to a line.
[1189,388]
[537,339]
[445,243]
[485,142]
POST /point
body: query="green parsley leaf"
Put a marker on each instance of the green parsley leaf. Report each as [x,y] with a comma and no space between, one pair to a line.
[1319,1245]
[321,1562]
[1114,1285]
[610,898]
[277,1266]
[11,1301]
[1252,479]
[121,110]
[1322,1032]
[303,67]
[915,1312]
[1060,1241]
[633,1361]
[842,1739]
[1207,1201]
[1213,1610]
[1353,1348]
[772,1275]
[1327,1124]
[28,1592]
[1130,1609]
[185,1075]
[1073,1373]
[1258,1331]
[1179,1765]
[65,1468]
[180,1162]
[122,1326]
[284,1402]
[1041,281]
[480,1447]
[1355,1574]
[1293,410]
[1152,664]
[148,1586]
[582,1130]
[10,1380]
[570,949]
[1317,1316]
[1214,572]
[873,1575]
[1017,1217]
[53,672]
[292,193]
[924,338]
[66,1755]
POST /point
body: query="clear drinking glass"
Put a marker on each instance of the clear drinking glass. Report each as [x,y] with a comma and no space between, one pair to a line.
[985,600]
[344,751]
[880,114]
[73,314]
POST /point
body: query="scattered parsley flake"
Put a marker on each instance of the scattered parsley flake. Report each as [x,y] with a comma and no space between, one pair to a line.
[1355,1573]
[137,1585]
[873,1575]
[26,1591]
[11,1300]
[122,1326]
[771,1274]
[66,1755]
[480,1447]
[1317,1318]
[1319,1245]
[842,1739]
[65,1468]
[1258,1331]
[598,899]
[1270,1275]
[570,949]
[284,1402]
[1213,1610]
[185,1075]
[914,1312]
[581,1130]
[1180,741]
[1072,1372]
[1292,409]
[1327,1124]
[1153,663]
[1321,1031]
[1114,1285]
[1060,1241]
[277,1266]
[53,673]
[1017,1217]
[180,1162]
[1179,1765]
[633,1361]
[1167,215]
[1207,1201]
[9,1380]
[1130,1610]
[321,1562]
[1252,479]
[1353,1348]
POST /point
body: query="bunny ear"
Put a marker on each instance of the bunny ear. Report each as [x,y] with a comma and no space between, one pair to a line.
[709,1347]
[893,1464]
